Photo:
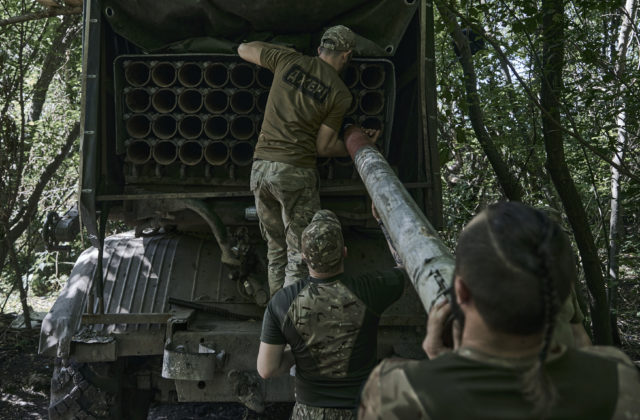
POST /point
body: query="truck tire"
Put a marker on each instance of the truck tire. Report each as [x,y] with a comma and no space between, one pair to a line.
[92,391]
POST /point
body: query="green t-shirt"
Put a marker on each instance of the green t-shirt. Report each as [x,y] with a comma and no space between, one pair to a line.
[332,327]
[306,92]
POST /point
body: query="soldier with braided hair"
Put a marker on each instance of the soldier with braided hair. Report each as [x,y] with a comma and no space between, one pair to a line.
[514,268]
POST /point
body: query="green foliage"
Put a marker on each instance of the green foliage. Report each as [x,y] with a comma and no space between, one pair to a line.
[40,68]
[45,275]
[596,89]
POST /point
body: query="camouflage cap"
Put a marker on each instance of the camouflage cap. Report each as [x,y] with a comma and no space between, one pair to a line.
[322,242]
[338,38]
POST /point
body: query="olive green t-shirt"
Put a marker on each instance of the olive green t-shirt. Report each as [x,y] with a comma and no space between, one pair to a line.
[306,92]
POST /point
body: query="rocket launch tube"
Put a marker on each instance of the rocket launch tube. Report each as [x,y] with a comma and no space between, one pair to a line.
[242,127]
[426,258]
[137,100]
[216,127]
[371,75]
[216,153]
[164,126]
[138,126]
[190,74]
[165,152]
[190,100]
[163,74]
[164,100]
[216,101]
[190,127]
[242,75]
[215,74]
[137,73]
[242,153]
[371,101]
[374,123]
[242,101]
[190,152]
[139,152]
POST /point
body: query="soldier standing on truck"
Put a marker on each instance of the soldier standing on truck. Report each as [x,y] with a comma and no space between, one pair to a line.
[330,320]
[303,116]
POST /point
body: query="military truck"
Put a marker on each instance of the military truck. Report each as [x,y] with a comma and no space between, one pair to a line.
[170,311]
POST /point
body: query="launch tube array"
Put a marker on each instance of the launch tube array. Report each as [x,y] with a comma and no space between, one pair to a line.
[203,111]
[190,152]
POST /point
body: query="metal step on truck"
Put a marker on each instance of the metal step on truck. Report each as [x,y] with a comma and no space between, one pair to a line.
[170,311]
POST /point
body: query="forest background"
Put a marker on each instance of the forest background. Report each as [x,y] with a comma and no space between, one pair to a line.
[538,101]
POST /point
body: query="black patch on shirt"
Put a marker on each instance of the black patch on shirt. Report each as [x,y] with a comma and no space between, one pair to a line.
[309,86]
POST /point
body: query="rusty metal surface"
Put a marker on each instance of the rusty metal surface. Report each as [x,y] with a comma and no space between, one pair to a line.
[185,364]
[204,377]
[95,351]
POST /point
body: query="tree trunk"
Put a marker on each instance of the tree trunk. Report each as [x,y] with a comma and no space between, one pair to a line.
[509,184]
[553,63]
[540,179]
[19,283]
[615,228]
[66,31]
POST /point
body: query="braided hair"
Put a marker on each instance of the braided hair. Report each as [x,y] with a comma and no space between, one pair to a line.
[537,388]
[518,266]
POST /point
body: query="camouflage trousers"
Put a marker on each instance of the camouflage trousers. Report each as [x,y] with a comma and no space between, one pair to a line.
[286,199]
[307,412]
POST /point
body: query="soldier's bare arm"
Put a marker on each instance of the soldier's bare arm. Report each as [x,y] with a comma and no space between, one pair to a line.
[273,360]
[329,145]
[250,51]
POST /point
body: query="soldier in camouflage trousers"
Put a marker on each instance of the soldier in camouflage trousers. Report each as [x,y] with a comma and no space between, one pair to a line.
[330,320]
[302,118]
[286,199]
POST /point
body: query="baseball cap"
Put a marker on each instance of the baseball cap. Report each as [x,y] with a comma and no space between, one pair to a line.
[322,242]
[338,38]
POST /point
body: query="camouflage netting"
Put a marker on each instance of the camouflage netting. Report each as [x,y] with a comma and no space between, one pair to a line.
[219,25]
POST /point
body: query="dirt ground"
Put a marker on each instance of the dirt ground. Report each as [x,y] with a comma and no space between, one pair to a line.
[25,376]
